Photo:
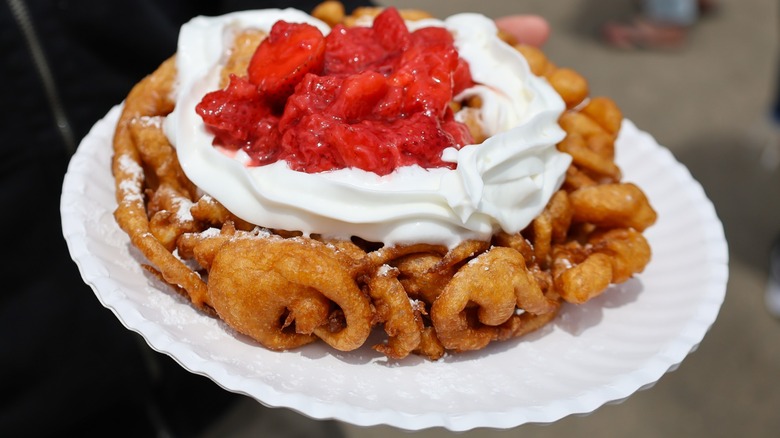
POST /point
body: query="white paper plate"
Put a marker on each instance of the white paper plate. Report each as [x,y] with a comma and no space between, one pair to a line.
[600,352]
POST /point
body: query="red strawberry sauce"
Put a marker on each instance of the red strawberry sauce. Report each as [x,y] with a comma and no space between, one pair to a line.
[373,98]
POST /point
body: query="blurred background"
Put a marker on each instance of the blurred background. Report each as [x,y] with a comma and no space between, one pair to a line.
[708,102]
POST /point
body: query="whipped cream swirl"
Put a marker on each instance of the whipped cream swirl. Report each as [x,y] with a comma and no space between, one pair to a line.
[501,184]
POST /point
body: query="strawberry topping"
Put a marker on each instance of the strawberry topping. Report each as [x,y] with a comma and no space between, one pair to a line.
[373,98]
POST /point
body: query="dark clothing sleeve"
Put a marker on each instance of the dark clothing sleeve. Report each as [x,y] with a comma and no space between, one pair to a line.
[68,365]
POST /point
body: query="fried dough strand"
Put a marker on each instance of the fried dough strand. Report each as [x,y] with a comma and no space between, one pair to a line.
[149,98]
[498,283]
[260,286]
[401,319]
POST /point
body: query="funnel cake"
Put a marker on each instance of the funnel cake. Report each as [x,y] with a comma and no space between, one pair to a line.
[288,286]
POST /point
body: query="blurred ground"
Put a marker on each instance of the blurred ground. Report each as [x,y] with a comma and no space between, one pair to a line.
[708,103]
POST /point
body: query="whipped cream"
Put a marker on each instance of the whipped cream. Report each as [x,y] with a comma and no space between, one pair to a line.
[500,184]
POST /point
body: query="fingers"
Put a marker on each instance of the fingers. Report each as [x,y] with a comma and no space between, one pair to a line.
[525,29]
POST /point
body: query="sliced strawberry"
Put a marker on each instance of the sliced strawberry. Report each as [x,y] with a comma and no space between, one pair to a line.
[232,112]
[390,30]
[461,78]
[359,95]
[290,51]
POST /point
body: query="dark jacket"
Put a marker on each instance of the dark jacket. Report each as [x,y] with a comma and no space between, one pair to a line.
[68,365]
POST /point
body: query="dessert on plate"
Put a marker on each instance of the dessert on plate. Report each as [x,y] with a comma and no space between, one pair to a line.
[321,178]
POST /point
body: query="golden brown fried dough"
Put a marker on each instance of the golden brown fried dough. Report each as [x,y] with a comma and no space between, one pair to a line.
[255,282]
[497,283]
[402,321]
[572,87]
[286,290]
[620,205]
